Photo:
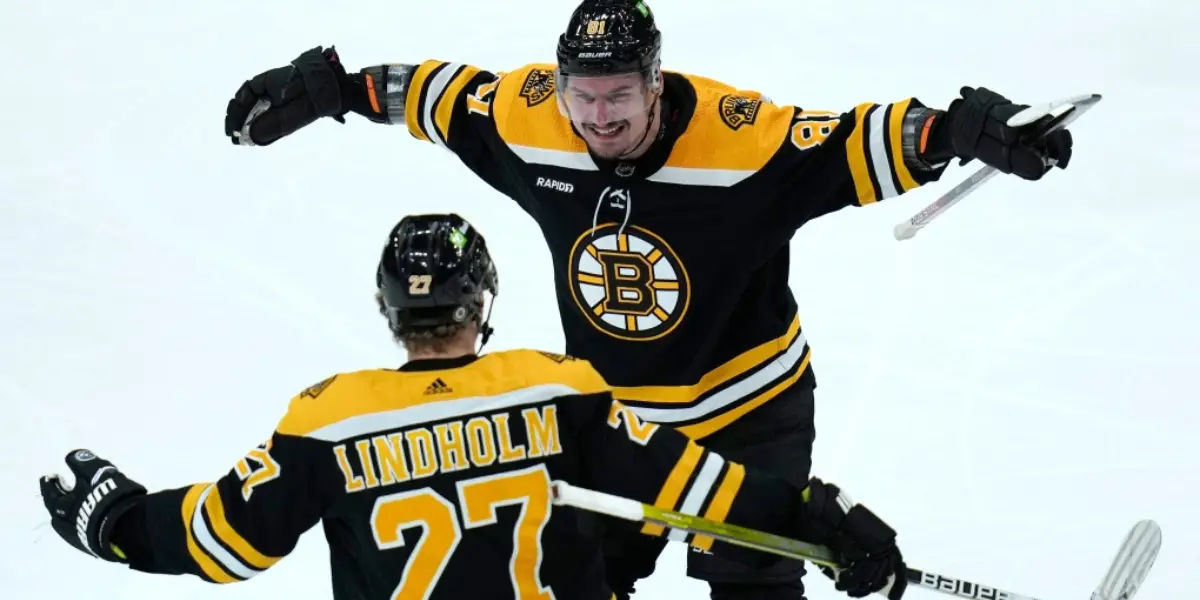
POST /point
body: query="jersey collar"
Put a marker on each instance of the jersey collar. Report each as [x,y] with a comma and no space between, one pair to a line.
[438,364]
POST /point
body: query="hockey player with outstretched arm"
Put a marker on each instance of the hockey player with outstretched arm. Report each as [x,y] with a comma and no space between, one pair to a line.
[667,201]
[433,480]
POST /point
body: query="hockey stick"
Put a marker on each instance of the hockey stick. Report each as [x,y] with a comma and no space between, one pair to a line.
[1129,568]
[1061,113]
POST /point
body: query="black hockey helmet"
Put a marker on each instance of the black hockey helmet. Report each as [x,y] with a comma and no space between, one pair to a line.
[433,272]
[610,37]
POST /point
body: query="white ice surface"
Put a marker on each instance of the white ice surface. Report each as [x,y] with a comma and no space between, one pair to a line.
[1012,389]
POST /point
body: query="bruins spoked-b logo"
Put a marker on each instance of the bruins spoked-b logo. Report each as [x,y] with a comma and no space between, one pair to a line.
[738,110]
[628,283]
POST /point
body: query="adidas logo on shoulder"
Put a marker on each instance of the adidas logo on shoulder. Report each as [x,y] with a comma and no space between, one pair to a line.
[438,387]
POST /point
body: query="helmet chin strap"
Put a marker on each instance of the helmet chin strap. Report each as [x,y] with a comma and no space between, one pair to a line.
[487,334]
[485,329]
[645,132]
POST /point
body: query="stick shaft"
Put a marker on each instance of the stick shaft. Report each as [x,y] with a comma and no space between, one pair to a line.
[960,587]
[918,221]
[907,229]
[632,510]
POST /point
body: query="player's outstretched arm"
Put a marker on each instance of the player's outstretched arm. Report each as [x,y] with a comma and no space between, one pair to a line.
[832,160]
[223,532]
[431,99]
[446,104]
[626,456]
[879,151]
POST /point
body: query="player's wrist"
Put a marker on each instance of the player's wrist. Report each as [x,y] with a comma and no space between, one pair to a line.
[126,531]
[927,138]
[113,543]
[380,92]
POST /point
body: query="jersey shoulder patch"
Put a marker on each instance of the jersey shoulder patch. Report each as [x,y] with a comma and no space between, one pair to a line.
[537,86]
[313,391]
[334,398]
[526,112]
[558,358]
[731,130]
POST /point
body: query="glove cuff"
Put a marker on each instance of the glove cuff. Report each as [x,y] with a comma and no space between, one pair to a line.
[869,532]
[102,545]
[819,523]
[938,147]
[381,91]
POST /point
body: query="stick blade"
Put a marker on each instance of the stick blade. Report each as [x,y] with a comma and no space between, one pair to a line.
[1054,110]
[1132,562]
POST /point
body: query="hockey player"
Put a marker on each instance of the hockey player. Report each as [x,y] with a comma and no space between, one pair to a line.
[667,201]
[433,480]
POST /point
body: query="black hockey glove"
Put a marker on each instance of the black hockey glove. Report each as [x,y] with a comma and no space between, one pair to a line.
[279,102]
[629,556]
[84,515]
[866,545]
[975,126]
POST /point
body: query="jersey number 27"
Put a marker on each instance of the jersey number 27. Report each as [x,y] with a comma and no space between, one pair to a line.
[477,501]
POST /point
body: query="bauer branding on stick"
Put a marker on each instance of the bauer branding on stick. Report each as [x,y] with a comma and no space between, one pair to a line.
[1125,575]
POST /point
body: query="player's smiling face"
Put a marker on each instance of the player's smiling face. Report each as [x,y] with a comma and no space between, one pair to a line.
[610,112]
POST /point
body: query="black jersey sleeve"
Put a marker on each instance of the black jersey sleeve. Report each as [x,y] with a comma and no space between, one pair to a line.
[230,529]
[654,464]
[450,105]
[855,158]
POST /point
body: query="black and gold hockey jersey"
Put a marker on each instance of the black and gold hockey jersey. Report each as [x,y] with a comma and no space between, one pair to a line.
[433,481]
[671,271]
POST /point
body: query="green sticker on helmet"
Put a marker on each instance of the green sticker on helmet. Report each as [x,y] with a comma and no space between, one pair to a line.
[458,239]
[642,8]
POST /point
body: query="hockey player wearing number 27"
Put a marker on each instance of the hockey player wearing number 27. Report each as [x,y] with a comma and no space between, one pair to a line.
[667,201]
[391,460]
